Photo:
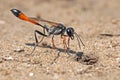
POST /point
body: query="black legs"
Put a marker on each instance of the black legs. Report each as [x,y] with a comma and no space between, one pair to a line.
[36,39]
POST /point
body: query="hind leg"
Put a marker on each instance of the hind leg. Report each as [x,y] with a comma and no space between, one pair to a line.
[36,39]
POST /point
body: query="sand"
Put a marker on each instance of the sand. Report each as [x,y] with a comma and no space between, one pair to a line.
[95,21]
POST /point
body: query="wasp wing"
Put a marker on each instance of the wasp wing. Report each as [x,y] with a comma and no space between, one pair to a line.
[54,24]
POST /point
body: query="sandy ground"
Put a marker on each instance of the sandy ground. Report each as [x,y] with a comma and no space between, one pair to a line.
[96,22]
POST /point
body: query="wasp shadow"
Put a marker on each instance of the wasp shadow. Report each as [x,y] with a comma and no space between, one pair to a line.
[68,51]
[78,55]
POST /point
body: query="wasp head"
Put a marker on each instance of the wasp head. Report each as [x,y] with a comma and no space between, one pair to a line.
[70,32]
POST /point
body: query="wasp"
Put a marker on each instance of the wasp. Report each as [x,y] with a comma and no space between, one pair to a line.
[54,29]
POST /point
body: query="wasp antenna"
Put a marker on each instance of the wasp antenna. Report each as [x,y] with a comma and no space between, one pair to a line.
[79,40]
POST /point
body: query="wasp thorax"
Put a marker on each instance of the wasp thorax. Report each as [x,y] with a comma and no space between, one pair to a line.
[70,32]
[61,26]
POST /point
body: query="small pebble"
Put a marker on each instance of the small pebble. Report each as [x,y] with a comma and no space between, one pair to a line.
[56,77]
[118,60]
[31,74]
[44,44]
[2,22]
[8,58]
[19,50]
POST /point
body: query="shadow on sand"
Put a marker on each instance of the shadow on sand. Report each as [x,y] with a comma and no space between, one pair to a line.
[68,51]
[88,59]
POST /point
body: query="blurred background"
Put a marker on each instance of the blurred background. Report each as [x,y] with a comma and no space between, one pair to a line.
[85,15]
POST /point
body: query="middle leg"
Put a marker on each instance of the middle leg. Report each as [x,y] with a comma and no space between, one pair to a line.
[53,44]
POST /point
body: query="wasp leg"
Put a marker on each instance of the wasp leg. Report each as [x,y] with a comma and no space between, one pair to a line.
[68,42]
[58,55]
[53,44]
[66,46]
[64,42]
[36,39]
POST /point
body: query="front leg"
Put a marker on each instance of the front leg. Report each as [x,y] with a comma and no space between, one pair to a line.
[68,42]
[64,42]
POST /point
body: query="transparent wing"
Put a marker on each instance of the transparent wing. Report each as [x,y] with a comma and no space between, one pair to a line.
[54,24]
